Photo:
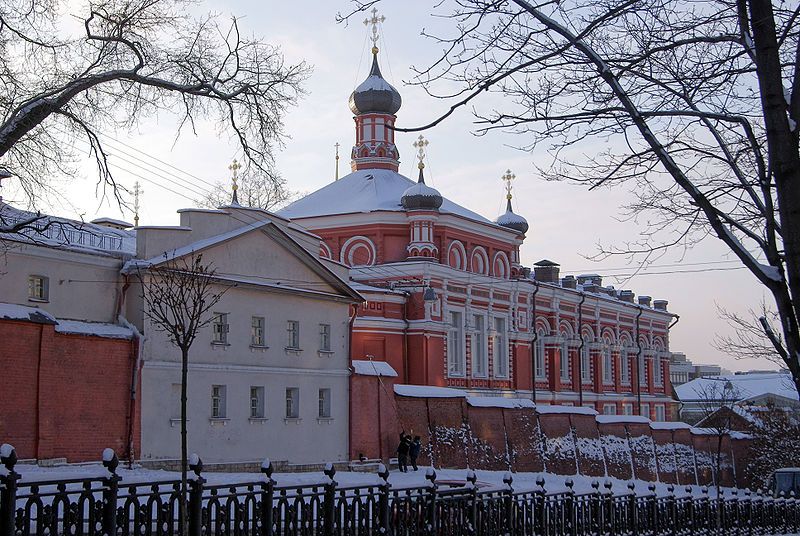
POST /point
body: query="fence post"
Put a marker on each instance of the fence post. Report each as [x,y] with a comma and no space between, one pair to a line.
[509,503]
[706,509]
[472,513]
[608,508]
[267,494]
[634,509]
[110,489]
[597,508]
[431,527]
[539,517]
[8,493]
[570,513]
[196,497]
[383,499]
[329,501]
[672,516]
[652,499]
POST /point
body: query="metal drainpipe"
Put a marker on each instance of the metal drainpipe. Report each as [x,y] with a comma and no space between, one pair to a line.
[350,381]
[534,341]
[580,349]
[638,372]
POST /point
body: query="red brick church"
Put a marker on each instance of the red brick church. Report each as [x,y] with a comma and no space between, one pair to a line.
[450,302]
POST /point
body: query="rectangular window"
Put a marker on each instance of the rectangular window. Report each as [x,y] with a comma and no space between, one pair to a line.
[293,334]
[586,363]
[324,404]
[645,411]
[257,402]
[257,336]
[658,372]
[627,409]
[325,337]
[660,413]
[500,348]
[455,348]
[479,353]
[608,370]
[38,288]
[539,352]
[292,403]
[609,409]
[220,328]
[642,369]
[624,366]
[564,361]
[218,401]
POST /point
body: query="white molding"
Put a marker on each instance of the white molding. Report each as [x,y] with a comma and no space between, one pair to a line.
[222,367]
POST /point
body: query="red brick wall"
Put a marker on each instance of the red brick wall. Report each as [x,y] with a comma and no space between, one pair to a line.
[82,393]
[684,455]
[704,458]
[641,444]
[413,418]
[559,444]
[665,456]
[487,446]
[591,460]
[615,447]
[525,440]
[450,432]
[374,427]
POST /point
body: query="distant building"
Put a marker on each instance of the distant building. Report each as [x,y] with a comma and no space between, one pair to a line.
[682,370]
[703,396]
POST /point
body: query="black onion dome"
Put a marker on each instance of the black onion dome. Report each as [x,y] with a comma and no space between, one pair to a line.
[513,221]
[375,94]
[421,196]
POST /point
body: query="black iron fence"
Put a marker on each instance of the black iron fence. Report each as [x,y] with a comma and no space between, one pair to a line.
[110,506]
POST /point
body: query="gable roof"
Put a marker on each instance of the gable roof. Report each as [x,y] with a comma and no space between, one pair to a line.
[366,190]
[746,385]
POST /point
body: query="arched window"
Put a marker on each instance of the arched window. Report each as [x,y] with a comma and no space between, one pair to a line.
[608,365]
[457,255]
[479,261]
[539,356]
[586,362]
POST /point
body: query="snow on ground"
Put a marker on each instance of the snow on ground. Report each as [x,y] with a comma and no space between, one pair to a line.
[490,479]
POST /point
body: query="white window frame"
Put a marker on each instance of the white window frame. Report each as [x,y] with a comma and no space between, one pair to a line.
[292,410]
[480,347]
[540,353]
[218,401]
[324,337]
[609,409]
[658,371]
[644,409]
[324,405]
[456,356]
[608,365]
[627,408]
[220,328]
[624,366]
[586,362]
[38,288]
[500,354]
[258,328]
[563,361]
[257,405]
[661,412]
[293,334]
[641,369]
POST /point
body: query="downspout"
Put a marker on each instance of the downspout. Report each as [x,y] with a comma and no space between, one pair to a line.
[580,349]
[637,380]
[534,340]
[405,337]
[140,339]
[350,379]
[39,394]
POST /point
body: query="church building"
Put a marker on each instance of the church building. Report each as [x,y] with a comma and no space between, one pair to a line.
[450,303]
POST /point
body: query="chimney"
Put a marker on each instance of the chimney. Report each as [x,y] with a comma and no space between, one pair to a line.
[626,296]
[591,287]
[644,301]
[660,305]
[546,271]
[593,279]
[569,282]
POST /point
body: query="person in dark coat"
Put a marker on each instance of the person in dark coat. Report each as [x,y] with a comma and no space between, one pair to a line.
[413,451]
[402,452]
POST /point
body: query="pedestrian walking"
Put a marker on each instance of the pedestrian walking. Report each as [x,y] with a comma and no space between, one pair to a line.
[402,452]
[413,451]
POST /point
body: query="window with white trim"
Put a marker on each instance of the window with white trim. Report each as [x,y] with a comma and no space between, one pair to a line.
[324,409]
[480,357]
[293,334]
[624,365]
[257,331]
[563,352]
[539,357]
[257,402]
[609,409]
[324,337]
[645,410]
[627,409]
[218,393]
[658,371]
[642,369]
[500,348]
[292,403]
[586,362]
[220,328]
[38,288]
[661,414]
[455,346]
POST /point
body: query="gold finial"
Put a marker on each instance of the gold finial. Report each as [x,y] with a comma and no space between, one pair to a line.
[234,168]
[374,20]
[336,146]
[137,192]
[420,146]
[508,177]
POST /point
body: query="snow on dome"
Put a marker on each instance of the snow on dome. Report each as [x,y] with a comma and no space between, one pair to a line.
[421,196]
[375,94]
[512,221]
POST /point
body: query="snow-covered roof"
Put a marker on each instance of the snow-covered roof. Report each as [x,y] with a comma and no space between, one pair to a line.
[670,425]
[98,329]
[575,410]
[624,419]
[64,233]
[499,402]
[365,190]
[746,385]
[373,368]
[112,221]
[12,311]
[427,391]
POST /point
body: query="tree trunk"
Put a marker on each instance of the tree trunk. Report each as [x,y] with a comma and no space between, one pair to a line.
[184,457]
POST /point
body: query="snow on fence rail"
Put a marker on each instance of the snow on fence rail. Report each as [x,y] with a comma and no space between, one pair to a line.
[108,506]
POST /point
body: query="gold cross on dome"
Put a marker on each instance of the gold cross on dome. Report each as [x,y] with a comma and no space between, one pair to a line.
[420,146]
[508,177]
[235,167]
[374,20]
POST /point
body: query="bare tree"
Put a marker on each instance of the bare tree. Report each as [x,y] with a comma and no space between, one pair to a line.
[694,106]
[716,400]
[178,296]
[748,341]
[776,441]
[254,190]
[70,72]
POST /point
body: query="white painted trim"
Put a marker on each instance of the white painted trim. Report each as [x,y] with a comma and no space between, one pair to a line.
[221,367]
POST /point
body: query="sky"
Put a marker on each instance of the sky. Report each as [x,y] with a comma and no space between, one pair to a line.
[567,221]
